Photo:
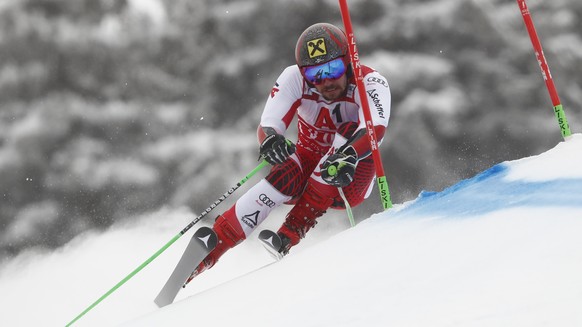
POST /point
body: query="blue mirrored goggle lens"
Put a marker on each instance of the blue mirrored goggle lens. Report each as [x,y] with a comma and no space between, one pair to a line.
[330,70]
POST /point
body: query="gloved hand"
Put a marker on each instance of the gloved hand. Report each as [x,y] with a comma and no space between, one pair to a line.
[339,168]
[276,149]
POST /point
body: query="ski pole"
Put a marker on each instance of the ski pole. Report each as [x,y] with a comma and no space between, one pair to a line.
[332,171]
[348,207]
[537,45]
[381,176]
[174,239]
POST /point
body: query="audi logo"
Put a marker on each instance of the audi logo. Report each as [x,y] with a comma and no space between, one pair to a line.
[266,200]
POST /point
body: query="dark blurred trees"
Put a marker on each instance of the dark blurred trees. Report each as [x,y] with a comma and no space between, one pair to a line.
[112,108]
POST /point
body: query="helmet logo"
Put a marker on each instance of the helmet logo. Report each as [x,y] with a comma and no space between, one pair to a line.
[316,48]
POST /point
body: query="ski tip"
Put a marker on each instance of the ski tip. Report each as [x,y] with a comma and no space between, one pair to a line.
[272,243]
[207,237]
[271,239]
[201,243]
[162,301]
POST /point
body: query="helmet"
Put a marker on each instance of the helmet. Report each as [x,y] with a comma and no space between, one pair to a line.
[320,43]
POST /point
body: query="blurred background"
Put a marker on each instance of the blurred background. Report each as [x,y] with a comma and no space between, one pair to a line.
[112,109]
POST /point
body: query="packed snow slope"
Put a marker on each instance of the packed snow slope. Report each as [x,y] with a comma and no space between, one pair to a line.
[501,249]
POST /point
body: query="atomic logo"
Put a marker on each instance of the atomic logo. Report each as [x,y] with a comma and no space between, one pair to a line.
[251,220]
[205,239]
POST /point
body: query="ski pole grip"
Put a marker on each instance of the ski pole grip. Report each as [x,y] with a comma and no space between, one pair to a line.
[332,170]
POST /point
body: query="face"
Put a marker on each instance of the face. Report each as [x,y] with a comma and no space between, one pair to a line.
[333,89]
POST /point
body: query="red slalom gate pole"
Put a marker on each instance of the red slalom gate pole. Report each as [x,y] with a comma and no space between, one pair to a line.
[381,176]
[539,52]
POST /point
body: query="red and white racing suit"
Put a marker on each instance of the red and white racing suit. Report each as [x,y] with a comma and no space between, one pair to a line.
[323,126]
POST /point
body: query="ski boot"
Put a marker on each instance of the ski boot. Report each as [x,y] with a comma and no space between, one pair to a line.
[298,222]
[228,237]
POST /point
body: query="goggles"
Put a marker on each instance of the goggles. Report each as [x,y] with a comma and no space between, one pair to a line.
[330,70]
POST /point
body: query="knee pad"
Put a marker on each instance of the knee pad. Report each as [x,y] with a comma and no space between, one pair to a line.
[315,198]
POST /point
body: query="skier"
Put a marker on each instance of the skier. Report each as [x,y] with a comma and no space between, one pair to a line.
[320,90]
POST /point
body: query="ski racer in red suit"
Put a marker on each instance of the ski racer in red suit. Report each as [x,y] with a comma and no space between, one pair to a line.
[321,91]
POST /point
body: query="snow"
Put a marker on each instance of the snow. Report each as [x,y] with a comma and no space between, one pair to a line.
[154,9]
[500,249]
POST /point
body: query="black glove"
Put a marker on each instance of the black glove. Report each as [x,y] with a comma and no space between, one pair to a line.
[339,168]
[276,149]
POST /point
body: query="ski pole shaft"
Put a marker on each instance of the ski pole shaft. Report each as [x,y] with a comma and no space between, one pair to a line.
[381,176]
[224,196]
[545,69]
[348,207]
[172,241]
[332,171]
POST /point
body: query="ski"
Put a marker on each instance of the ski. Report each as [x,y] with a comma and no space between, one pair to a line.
[200,245]
[272,243]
